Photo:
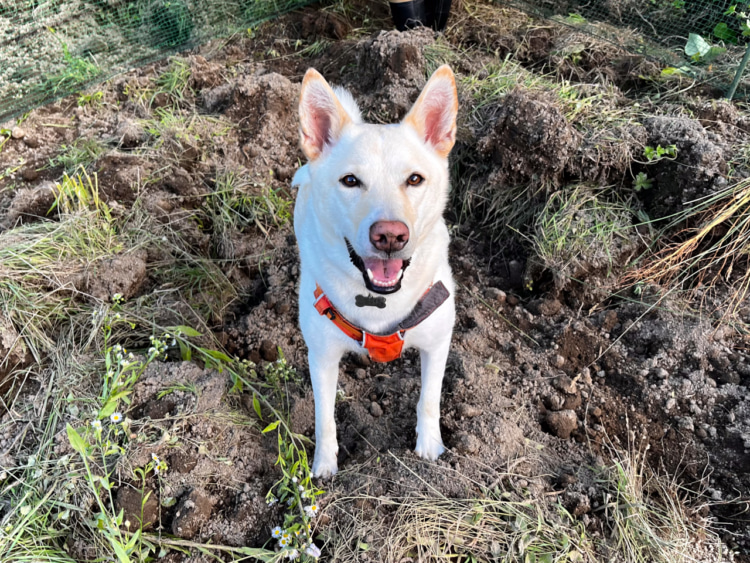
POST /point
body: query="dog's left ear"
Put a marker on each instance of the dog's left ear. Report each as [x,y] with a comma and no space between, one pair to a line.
[434,113]
[321,115]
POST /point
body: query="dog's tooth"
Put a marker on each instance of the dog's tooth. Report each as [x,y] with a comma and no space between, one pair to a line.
[370,274]
[400,273]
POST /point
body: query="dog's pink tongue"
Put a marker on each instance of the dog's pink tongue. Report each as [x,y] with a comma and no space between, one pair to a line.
[384,271]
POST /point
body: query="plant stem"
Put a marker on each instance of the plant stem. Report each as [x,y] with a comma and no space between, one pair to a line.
[738,74]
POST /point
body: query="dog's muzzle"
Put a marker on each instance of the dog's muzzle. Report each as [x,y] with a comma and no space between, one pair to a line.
[381,275]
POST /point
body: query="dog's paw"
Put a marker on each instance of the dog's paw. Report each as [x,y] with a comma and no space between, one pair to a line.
[429,444]
[325,464]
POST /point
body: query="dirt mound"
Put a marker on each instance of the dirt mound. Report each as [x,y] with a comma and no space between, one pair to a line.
[264,106]
[699,167]
[393,71]
[122,275]
[29,205]
[605,156]
[219,472]
[530,141]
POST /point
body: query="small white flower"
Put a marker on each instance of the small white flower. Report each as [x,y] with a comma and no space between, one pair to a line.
[313,551]
[276,532]
[311,510]
[271,501]
[301,488]
[305,494]
[97,424]
[294,479]
[116,417]
[283,542]
[292,554]
[155,458]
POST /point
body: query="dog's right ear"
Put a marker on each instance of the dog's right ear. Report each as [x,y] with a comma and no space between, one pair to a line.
[321,115]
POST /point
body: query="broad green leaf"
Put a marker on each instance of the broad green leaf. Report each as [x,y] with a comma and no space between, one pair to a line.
[725,33]
[256,406]
[75,440]
[185,352]
[271,426]
[108,408]
[185,330]
[121,554]
[221,356]
[696,45]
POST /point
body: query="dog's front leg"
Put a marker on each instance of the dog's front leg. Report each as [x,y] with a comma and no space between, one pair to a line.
[324,373]
[429,441]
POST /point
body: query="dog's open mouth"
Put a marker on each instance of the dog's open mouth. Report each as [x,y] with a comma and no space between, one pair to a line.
[381,275]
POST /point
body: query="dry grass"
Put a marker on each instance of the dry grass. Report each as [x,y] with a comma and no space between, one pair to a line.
[650,516]
[704,250]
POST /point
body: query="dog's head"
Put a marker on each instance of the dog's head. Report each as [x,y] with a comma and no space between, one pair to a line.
[379,190]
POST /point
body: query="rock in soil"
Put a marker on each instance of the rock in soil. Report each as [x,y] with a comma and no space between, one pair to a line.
[376,410]
[562,423]
[192,512]
[269,351]
[468,411]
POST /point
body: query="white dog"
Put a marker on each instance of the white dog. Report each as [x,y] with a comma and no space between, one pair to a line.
[374,246]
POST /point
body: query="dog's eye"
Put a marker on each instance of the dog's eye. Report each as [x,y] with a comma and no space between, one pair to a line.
[414,180]
[350,181]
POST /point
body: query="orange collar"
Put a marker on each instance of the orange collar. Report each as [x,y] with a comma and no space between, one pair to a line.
[384,347]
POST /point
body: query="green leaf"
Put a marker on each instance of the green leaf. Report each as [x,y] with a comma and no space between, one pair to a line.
[574,18]
[76,442]
[256,406]
[271,427]
[108,408]
[121,554]
[221,356]
[133,540]
[696,45]
[185,330]
[722,31]
[185,352]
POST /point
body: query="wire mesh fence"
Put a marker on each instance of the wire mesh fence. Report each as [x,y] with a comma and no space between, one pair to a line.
[50,48]
[696,33]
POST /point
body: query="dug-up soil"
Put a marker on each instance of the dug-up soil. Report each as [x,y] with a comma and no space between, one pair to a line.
[544,381]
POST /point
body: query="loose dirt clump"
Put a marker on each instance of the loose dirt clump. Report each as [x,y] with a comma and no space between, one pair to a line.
[123,275]
[13,351]
[29,205]
[605,156]
[530,141]
[264,107]
[394,68]
[220,470]
[699,167]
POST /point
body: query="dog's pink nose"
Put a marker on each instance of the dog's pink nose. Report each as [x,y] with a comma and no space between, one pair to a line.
[389,236]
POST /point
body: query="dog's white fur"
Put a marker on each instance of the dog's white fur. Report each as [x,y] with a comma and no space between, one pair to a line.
[336,143]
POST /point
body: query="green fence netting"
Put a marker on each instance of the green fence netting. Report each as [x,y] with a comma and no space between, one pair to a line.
[50,48]
[696,32]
